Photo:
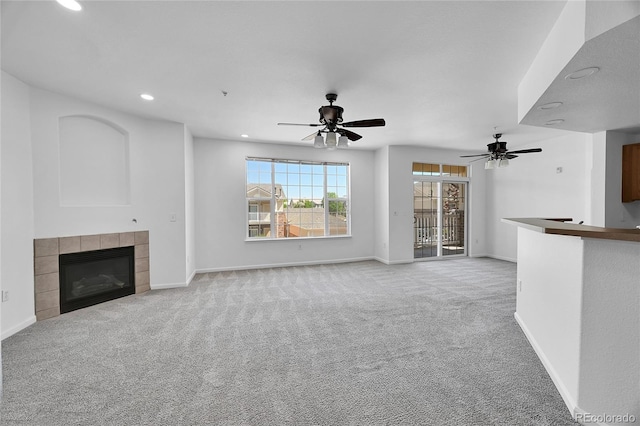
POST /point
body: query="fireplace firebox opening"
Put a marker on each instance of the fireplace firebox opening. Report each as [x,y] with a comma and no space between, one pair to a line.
[92,277]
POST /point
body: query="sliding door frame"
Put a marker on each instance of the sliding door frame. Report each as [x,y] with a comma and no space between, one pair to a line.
[441,181]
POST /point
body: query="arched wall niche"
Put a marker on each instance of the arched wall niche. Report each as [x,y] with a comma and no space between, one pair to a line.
[94,162]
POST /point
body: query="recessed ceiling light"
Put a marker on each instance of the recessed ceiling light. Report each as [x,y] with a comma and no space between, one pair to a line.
[146,97]
[550,105]
[585,72]
[244,136]
[70,4]
[554,122]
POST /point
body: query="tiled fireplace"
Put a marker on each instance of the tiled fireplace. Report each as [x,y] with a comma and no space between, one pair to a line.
[46,264]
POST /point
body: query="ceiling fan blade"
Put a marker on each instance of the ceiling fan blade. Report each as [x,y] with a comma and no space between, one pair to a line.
[374,122]
[510,156]
[352,136]
[476,155]
[478,159]
[297,124]
[525,151]
[311,136]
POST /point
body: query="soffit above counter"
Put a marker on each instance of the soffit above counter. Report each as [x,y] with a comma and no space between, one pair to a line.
[609,99]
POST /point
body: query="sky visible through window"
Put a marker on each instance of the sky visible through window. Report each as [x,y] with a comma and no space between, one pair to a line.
[301,181]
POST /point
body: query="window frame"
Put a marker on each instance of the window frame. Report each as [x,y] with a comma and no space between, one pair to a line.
[273,199]
[443,170]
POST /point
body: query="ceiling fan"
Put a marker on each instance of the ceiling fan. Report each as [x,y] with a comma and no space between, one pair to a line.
[498,155]
[332,124]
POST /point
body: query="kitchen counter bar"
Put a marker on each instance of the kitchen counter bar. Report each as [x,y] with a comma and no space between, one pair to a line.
[561,227]
[578,304]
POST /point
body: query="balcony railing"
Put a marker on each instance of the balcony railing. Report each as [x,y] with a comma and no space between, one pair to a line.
[425,230]
[259,217]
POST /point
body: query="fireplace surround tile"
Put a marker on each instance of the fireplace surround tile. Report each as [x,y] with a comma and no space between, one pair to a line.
[46,258]
[46,247]
[142,251]
[109,241]
[142,281]
[48,313]
[142,264]
[45,265]
[89,242]
[142,237]
[48,299]
[127,239]
[47,282]
[69,245]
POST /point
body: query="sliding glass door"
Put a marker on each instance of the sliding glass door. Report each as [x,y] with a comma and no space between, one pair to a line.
[453,218]
[426,202]
[439,222]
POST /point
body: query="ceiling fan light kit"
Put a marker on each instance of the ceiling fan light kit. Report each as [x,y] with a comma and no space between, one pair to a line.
[498,155]
[332,141]
[343,141]
[332,124]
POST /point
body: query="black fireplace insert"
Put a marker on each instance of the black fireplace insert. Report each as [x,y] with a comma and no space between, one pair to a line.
[92,277]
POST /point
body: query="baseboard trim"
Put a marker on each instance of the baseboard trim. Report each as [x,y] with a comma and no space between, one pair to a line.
[168,285]
[18,327]
[392,262]
[282,265]
[562,389]
[507,259]
[193,274]
[479,255]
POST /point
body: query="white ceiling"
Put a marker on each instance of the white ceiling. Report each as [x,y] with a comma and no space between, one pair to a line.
[442,73]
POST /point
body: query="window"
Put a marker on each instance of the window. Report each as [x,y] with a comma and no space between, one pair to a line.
[425,169]
[292,199]
[446,170]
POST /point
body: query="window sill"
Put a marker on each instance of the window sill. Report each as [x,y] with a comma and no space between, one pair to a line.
[326,237]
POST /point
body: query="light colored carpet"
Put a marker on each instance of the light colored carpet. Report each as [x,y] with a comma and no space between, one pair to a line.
[429,343]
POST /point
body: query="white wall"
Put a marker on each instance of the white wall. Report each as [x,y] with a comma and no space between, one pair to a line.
[610,337]
[400,203]
[477,213]
[549,303]
[617,213]
[16,208]
[1,379]
[381,205]
[597,157]
[531,187]
[221,208]
[157,179]
[93,171]
[189,204]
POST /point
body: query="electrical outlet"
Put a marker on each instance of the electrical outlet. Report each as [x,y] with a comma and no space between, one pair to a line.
[5,295]
[172,217]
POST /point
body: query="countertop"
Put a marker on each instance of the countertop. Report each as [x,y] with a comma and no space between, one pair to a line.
[561,227]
